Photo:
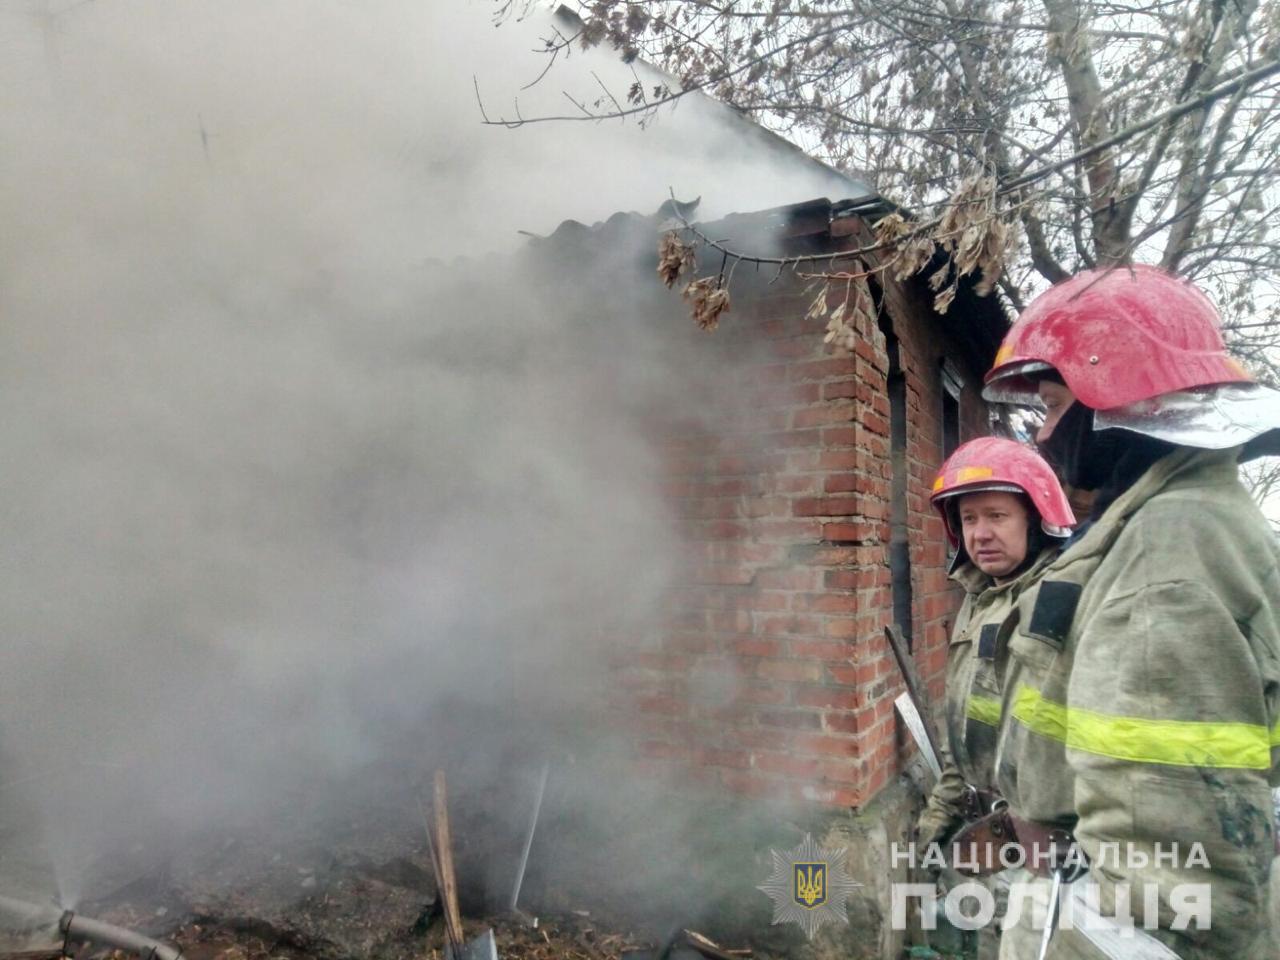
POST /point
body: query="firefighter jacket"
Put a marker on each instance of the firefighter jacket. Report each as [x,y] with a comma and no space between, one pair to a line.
[975,661]
[1141,700]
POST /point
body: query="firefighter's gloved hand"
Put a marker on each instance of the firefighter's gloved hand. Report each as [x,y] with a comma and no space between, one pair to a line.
[933,827]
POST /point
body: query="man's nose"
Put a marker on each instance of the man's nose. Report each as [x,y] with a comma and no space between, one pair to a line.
[1046,428]
[982,530]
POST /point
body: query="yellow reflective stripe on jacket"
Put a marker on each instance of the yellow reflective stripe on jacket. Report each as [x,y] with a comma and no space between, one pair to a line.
[1275,735]
[984,710]
[1182,743]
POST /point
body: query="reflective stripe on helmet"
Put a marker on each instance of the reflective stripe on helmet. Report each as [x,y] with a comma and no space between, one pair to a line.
[1013,384]
[962,476]
[978,488]
[1177,743]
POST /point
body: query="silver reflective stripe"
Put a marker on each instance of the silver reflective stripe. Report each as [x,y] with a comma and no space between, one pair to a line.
[1212,418]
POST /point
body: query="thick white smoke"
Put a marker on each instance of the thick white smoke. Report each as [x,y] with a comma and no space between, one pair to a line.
[295,445]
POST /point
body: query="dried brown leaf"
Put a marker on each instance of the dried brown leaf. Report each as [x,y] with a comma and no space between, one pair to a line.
[707,300]
[943,300]
[675,257]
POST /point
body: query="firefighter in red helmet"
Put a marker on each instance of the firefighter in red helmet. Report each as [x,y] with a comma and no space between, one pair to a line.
[1142,695]
[1006,517]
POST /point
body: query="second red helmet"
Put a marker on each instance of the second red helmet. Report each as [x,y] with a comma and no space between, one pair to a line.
[1115,336]
[995,463]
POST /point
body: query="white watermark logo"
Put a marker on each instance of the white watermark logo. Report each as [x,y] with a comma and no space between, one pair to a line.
[1130,907]
[809,886]
[972,906]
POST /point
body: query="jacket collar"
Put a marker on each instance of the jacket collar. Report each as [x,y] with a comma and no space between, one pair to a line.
[1186,465]
[975,582]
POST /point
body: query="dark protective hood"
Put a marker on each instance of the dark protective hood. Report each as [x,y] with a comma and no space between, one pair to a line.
[1109,461]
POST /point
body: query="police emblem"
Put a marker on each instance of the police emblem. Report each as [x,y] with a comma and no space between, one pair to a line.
[809,886]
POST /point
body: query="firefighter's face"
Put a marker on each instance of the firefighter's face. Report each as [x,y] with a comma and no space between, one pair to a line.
[1056,398]
[994,527]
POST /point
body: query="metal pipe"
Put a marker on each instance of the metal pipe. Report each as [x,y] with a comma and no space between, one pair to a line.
[75,927]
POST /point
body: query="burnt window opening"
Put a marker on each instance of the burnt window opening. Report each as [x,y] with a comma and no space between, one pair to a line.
[952,384]
[899,540]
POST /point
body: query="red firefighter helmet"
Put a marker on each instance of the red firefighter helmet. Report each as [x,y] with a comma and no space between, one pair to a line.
[994,463]
[1116,336]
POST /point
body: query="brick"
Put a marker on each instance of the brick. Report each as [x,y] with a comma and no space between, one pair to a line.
[845,675]
[856,483]
[826,507]
[827,795]
[730,621]
[658,661]
[824,602]
[757,739]
[875,423]
[748,784]
[748,552]
[661,705]
[853,579]
[820,649]
[794,624]
[707,671]
[791,439]
[868,353]
[660,750]
[824,555]
[733,487]
[840,721]
[756,647]
[788,530]
[769,601]
[795,348]
[843,628]
[841,389]
[838,411]
[827,697]
[722,715]
[766,694]
[787,765]
[797,484]
[842,771]
[689,643]
[791,395]
[831,369]
[721,530]
[790,719]
[789,671]
[789,578]
[849,532]
[719,757]
[773,329]
[841,437]
[723,574]
[824,745]
[766,507]
[839,460]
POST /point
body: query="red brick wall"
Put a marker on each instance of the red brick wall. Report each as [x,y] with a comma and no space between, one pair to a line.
[772,676]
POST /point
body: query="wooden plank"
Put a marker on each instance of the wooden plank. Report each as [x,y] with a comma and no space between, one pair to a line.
[898,644]
[444,853]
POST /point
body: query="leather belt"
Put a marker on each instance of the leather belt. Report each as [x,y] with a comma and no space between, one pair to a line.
[980,848]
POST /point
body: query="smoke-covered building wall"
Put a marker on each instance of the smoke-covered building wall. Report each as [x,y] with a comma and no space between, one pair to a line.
[800,489]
